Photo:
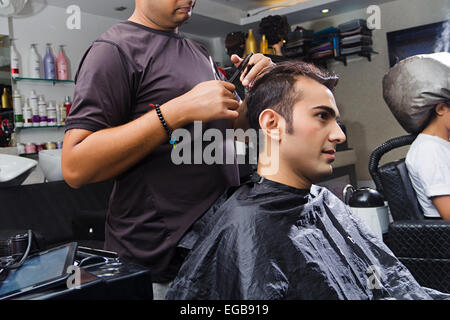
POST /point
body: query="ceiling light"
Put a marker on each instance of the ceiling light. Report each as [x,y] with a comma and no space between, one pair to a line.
[325,10]
[277,8]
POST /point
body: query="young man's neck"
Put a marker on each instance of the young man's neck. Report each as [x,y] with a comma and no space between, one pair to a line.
[435,128]
[140,18]
[283,175]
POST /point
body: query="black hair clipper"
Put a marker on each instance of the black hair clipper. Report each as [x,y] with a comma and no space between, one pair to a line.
[241,67]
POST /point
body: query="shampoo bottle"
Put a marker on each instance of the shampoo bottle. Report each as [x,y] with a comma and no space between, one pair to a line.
[42,112]
[250,43]
[58,115]
[62,65]
[5,100]
[264,46]
[49,64]
[18,113]
[34,108]
[15,61]
[67,105]
[63,112]
[27,115]
[51,114]
[34,63]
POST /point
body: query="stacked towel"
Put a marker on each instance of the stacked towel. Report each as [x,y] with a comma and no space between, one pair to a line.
[355,37]
[325,43]
[297,43]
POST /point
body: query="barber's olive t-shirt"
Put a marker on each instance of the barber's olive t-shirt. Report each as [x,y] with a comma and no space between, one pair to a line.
[153,203]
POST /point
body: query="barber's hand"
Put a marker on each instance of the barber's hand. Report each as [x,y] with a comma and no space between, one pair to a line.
[257,63]
[209,101]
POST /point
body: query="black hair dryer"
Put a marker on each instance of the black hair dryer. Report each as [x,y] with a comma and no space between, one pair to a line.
[368,204]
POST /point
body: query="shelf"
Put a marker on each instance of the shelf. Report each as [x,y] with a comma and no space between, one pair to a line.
[343,58]
[46,127]
[368,55]
[324,60]
[42,80]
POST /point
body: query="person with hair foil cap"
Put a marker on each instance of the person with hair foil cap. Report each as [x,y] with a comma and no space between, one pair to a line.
[417,91]
[279,236]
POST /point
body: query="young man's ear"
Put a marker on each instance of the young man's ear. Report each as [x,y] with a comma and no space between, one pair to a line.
[441,108]
[272,124]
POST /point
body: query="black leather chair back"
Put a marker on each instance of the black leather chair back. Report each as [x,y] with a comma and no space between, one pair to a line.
[398,192]
[393,182]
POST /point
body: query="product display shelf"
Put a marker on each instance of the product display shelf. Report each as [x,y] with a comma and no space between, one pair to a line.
[343,58]
[323,61]
[43,127]
[368,55]
[54,81]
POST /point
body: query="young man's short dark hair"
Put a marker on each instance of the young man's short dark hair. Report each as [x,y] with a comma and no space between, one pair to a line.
[432,115]
[276,89]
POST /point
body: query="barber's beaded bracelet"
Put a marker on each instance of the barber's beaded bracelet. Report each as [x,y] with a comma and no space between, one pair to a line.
[163,121]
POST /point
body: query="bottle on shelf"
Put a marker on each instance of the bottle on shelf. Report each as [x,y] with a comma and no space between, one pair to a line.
[49,64]
[18,112]
[51,114]
[67,105]
[264,45]
[27,115]
[15,61]
[5,100]
[34,63]
[250,43]
[34,108]
[62,65]
[42,112]
[63,112]
[58,115]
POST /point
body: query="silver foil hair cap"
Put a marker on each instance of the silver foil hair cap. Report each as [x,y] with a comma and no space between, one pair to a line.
[414,86]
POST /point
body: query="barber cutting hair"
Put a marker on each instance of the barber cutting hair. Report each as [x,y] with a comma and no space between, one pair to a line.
[138,82]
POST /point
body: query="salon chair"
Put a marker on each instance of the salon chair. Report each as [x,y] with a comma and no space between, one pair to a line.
[421,244]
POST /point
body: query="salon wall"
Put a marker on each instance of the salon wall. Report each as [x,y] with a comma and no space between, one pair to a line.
[359,93]
[215,46]
[49,26]
[4,28]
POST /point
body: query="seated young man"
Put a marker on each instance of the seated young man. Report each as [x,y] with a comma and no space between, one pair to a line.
[279,236]
[417,91]
[428,163]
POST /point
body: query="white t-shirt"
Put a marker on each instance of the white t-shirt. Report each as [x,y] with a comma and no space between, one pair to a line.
[428,163]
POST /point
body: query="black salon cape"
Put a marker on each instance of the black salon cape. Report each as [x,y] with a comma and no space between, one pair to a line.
[271,241]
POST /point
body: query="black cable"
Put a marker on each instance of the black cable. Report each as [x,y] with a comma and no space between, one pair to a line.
[11,264]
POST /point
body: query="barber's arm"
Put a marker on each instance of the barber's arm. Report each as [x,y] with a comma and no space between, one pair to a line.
[442,204]
[96,156]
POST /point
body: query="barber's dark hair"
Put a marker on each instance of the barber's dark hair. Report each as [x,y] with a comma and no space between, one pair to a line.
[275,89]
[275,28]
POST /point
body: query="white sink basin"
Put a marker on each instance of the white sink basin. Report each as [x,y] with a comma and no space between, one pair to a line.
[50,163]
[14,169]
